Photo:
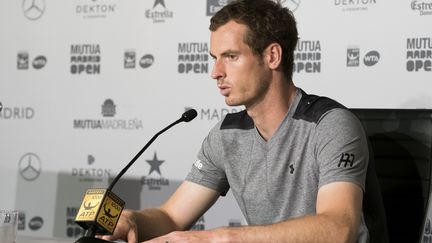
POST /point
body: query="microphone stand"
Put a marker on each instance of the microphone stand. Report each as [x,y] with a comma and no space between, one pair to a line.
[89,234]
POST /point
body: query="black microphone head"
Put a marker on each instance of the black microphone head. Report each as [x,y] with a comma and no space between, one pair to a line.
[189,115]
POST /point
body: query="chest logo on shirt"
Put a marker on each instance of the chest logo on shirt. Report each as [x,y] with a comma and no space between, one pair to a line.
[291,169]
[346,159]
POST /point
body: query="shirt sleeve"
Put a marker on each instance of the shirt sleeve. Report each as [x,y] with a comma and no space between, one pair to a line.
[341,148]
[208,169]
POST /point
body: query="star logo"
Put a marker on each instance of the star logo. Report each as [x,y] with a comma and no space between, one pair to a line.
[155,164]
[157,2]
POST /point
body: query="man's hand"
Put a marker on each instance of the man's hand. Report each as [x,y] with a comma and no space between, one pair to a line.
[126,228]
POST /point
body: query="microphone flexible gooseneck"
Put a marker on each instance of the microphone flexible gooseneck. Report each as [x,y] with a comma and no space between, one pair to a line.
[187,116]
[90,232]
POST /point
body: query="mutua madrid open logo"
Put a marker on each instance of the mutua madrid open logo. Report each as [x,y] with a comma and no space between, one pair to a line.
[193,57]
[419,54]
[85,59]
[159,13]
[108,111]
[154,183]
[307,57]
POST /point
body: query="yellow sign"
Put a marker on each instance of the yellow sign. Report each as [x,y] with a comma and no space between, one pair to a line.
[110,212]
[90,205]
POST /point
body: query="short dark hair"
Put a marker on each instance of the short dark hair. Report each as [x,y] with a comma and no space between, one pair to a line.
[268,22]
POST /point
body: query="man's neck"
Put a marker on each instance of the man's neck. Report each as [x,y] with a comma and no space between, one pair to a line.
[268,115]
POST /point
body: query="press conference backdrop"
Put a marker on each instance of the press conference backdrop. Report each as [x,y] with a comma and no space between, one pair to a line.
[86,83]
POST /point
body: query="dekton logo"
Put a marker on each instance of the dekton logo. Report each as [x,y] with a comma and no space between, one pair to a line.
[354,5]
[94,9]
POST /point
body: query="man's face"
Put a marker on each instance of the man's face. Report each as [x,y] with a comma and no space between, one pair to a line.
[242,77]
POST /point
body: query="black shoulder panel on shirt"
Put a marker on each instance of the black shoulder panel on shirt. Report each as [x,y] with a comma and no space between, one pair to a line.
[238,120]
[312,107]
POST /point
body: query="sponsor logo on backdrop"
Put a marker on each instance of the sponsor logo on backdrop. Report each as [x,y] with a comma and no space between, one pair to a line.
[353,57]
[130,60]
[419,54]
[92,9]
[30,166]
[423,7]
[154,182]
[354,5]
[215,5]
[23,61]
[90,173]
[193,57]
[213,114]
[85,59]
[17,113]
[36,223]
[307,57]
[73,230]
[108,110]
[200,224]
[292,5]
[159,13]
[21,221]
[371,58]
[33,9]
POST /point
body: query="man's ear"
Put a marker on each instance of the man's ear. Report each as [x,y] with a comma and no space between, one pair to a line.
[273,56]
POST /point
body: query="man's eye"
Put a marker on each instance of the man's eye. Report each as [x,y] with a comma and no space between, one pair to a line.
[232,57]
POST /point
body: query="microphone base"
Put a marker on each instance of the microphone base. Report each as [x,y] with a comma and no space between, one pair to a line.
[86,239]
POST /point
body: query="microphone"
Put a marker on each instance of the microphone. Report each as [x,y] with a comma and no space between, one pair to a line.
[100,209]
[1,107]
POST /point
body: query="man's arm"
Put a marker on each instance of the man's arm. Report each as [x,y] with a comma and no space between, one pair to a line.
[339,207]
[178,213]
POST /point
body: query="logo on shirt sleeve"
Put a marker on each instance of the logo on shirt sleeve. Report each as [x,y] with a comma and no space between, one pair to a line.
[346,159]
[198,164]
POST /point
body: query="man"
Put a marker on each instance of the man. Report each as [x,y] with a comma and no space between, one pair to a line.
[296,163]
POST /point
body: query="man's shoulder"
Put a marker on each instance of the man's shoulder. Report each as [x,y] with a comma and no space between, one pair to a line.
[312,107]
[238,120]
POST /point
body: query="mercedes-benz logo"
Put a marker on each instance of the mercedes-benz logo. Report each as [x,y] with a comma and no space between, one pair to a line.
[33,9]
[30,166]
[290,4]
